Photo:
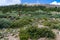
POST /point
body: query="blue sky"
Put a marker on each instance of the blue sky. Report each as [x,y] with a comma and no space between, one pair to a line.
[54,2]
[57,0]
[12,2]
[40,1]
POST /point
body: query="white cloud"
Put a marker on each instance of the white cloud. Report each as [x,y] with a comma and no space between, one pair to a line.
[9,2]
[55,3]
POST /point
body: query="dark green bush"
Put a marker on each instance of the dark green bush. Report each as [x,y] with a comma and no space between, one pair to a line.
[21,22]
[46,32]
[47,23]
[5,23]
[35,33]
[23,35]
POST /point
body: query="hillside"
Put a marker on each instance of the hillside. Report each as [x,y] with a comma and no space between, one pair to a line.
[21,7]
[24,22]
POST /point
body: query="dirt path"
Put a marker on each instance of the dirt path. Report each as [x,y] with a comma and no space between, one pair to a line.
[12,38]
[57,37]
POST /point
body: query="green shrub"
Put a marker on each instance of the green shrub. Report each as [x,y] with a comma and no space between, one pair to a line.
[52,24]
[36,33]
[23,35]
[3,15]
[5,23]
[55,26]
[47,23]
[21,22]
[46,32]
[33,32]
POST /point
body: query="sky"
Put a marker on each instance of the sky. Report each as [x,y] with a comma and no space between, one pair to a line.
[35,1]
[12,2]
[56,2]
[9,2]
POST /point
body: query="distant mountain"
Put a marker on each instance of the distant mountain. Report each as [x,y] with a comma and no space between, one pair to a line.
[47,5]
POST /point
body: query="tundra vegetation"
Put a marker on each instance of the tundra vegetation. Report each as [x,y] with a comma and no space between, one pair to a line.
[24,20]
